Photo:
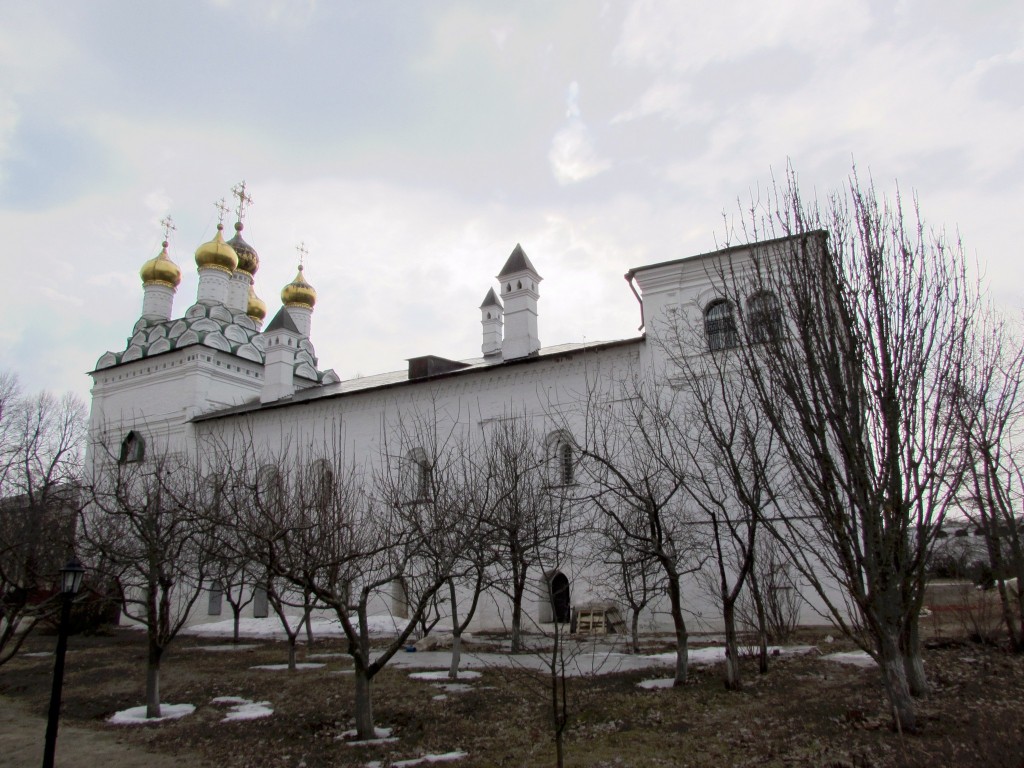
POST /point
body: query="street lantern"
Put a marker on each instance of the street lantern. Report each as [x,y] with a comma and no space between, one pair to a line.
[71,577]
[70,582]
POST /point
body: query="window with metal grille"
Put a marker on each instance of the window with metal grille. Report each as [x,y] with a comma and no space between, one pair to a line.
[720,326]
[566,467]
[561,460]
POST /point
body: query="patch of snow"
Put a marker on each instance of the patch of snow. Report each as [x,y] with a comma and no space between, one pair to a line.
[253,710]
[716,653]
[326,655]
[443,675]
[440,697]
[856,658]
[137,715]
[443,758]
[456,687]
[229,700]
[383,737]
[270,628]
[226,648]
[243,709]
[37,654]
[279,667]
[651,685]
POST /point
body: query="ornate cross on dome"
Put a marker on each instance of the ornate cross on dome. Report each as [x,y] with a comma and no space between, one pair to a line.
[303,252]
[243,199]
[168,224]
[222,207]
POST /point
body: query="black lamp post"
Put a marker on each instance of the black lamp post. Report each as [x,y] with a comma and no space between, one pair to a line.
[70,582]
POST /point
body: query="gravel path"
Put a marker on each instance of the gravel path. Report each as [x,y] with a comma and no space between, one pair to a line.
[21,745]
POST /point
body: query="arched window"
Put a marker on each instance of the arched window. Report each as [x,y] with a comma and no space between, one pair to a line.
[399,599]
[321,483]
[561,459]
[420,474]
[764,318]
[133,448]
[216,594]
[720,325]
[268,486]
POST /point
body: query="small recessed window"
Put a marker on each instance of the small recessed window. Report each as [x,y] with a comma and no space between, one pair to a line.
[260,604]
[133,448]
[764,318]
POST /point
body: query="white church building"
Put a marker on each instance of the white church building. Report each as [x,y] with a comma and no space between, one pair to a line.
[222,365]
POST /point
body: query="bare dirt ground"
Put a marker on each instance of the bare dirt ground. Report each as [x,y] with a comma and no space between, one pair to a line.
[804,712]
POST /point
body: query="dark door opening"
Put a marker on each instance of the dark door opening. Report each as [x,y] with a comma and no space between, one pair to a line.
[560,603]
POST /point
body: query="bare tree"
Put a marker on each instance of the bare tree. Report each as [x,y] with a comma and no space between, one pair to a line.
[631,575]
[732,472]
[145,528]
[521,518]
[632,467]
[347,535]
[41,440]
[992,418]
[859,384]
[438,475]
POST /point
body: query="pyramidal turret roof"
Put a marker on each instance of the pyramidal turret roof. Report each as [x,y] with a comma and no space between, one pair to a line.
[282,322]
[518,261]
[491,299]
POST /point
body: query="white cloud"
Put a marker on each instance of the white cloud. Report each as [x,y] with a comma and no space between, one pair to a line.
[684,37]
[573,156]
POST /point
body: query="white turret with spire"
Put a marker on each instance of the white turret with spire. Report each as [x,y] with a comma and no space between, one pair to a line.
[520,292]
[491,318]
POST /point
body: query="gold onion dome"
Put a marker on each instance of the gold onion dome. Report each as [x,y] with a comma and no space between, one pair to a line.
[257,308]
[217,254]
[160,269]
[248,261]
[298,293]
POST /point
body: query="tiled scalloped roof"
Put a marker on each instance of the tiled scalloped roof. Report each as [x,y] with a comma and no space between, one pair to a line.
[216,327]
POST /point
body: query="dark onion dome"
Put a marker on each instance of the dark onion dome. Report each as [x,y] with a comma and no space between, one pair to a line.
[248,261]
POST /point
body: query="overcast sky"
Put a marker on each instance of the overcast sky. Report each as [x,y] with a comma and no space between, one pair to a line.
[411,145]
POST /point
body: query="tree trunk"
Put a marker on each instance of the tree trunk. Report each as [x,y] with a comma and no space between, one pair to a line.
[307,609]
[635,630]
[453,670]
[913,662]
[237,615]
[682,636]
[1008,618]
[732,654]
[153,680]
[762,623]
[291,651]
[363,705]
[518,588]
[895,678]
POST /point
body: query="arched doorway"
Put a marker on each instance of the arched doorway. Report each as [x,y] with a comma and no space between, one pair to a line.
[560,601]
